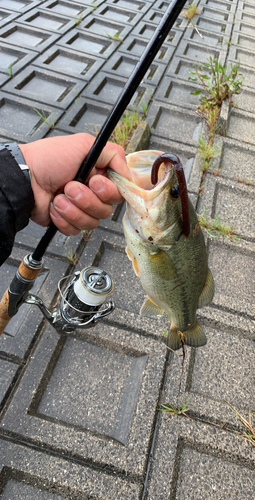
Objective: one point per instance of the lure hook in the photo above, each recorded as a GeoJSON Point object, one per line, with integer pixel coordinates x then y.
{"type": "Point", "coordinates": [174, 160]}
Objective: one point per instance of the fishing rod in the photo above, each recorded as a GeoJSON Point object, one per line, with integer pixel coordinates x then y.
{"type": "Point", "coordinates": [87, 291]}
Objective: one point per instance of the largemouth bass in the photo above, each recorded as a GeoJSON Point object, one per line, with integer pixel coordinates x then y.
{"type": "Point", "coordinates": [165, 244]}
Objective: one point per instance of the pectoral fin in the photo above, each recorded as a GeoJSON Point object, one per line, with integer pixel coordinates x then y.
{"type": "Point", "coordinates": [206, 295]}
{"type": "Point", "coordinates": [149, 308]}
{"type": "Point", "coordinates": [193, 337]}
{"type": "Point", "coordinates": [134, 262]}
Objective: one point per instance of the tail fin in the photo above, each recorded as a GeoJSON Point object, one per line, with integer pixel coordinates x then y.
{"type": "Point", "coordinates": [193, 337]}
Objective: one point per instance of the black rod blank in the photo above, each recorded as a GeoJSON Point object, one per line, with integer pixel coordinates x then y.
{"type": "Point", "coordinates": [123, 100]}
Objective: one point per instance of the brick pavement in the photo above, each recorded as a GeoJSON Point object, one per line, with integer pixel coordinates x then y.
{"type": "Point", "coordinates": [79, 416]}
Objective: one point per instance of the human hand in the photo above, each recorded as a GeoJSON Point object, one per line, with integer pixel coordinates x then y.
{"type": "Point", "coordinates": [53, 163]}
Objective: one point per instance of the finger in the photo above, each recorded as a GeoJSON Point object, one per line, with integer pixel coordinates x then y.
{"type": "Point", "coordinates": [68, 228]}
{"type": "Point", "coordinates": [87, 201]}
{"type": "Point", "coordinates": [105, 190]}
{"type": "Point", "coordinates": [78, 203]}
{"type": "Point", "coordinates": [113, 156]}
{"type": "Point", "coordinates": [62, 225]}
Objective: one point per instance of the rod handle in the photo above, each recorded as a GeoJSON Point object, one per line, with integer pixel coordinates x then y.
{"type": "Point", "coordinates": [4, 307]}
{"type": "Point", "coordinates": [15, 296]}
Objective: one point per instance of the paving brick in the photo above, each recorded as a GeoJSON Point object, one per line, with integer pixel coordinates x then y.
{"type": "Point", "coordinates": [47, 21]}
{"type": "Point", "coordinates": [135, 47]}
{"type": "Point", "coordinates": [232, 202]}
{"type": "Point", "coordinates": [118, 15]}
{"type": "Point", "coordinates": [6, 16]}
{"type": "Point", "coordinates": [198, 53]}
{"type": "Point", "coordinates": [245, 100]}
{"type": "Point", "coordinates": [237, 54]}
{"type": "Point", "coordinates": [3, 79]}
{"type": "Point", "coordinates": [146, 30]}
{"type": "Point", "coordinates": [42, 476]}
{"type": "Point", "coordinates": [190, 460]}
{"type": "Point", "coordinates": [173, 91]}
{"type": "Point", "coordinates": [69, 62]}
{"type": "Point", "coordinates": [85, 116]}
{"type": "Point", "coordinates": [107, 89]}
{"type": "Point", "coordinates": [208, 38]}
{"type": "Point", "coordinates": [243, 41]}
{"type": "Point", "coordinates": [27, 126]}
{"type": "Point", "coordinates": [87, 436]}
{"type": "Point", "coordinates": [20, 6]}
{"type": "Point", "coordinates": [246, 7]}
{"type": "Point", "coordinates": [180, 68]}
{"type": "Point", "coordinates": [99, 26]}
{"type": "Point", "coordinates": [227, 6]}
{"type": "Point", "coordinates": [19, 334]}
{"type": "Point", "coordinates": [30, 38]}
{"type": "Point", "coordinates": [155, 16]}
{"type": "Point", "coordinates": [65, 8]}
{"type": "Point", "coordinates": [245, 17]}
{"type": "Point", "coordinates": [245, 28]}
{"type": "Point", "coordinates": [88, 44]}
{"type": "Point", "coordinates": [60, 245]}
{"type": "Point", "coordinates": [212, 25]}
{"type": "Point", "coordinates": [14, 59]}
{"type": "Point", "coordinates": [234, 283]}
{"type": "Point", "coordinates": [123, 65]}
{"type": "Point", "coordinates": [46, 87]}
{"type": "Point", "coordinates": [245, 129]}
{"type": "Point", "coordinates": [237, 161]}
{"type": "Point", "coordinates": [170, 122]}
{"type": "Point", "coordinates": [216, 14]}
{"type": "Point", "coordinates": [136, 5]}
{"type": "Point", "coordinates": [8, 371]}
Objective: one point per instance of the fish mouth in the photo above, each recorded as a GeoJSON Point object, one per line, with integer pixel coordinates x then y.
{"type": "Point", "coordinates": [140, 166]}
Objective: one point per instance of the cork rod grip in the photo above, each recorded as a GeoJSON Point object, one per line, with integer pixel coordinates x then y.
{"type": "Point", "coordinates": [20, 289]}
{"type": "Point", "coordinates": [4, 316]}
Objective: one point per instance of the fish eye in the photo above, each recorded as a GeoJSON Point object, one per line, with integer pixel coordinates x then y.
{"type": "Point", "coordinates": [175, 192]}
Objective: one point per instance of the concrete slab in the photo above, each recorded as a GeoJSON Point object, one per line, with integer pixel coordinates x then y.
{"type": "Point", "coordinates": [88, 44]}
{"type": "Point", "coordinates": [30, 38]}
{"type": "Point", "coordinates": [26, 415]}
{"type": "Point", "coordinates": [168, 121]}
{"type": "Point", "coordinates": [47, 21]}
{"type": "Point", "coordinates": [106, 28]}
{"type": "Point", "coordinates": [27, 125]}
{"type": "Point", "coordinates": [34, 474]}
{"type": "Point", "coordinates": [20, 6]}
{"type": "Point", "coordinates": [69, 62]}
{"type": "Point", "coordinates": [46, 87]}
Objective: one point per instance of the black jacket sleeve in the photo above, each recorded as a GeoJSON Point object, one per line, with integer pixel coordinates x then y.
{"type": "Point", "coordinates": [16, 202]}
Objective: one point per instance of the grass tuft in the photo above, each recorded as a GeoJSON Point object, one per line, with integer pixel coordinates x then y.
{"type": "Point", "coordinates": [44, 118]}
{"type": "Point", "coordinates": [191, 12]}
{"type": "Point", "coordinates": [115, 37]}
{"type": "Point", "coordinates": [215, 228]}
{"type": "Point", "coordinates": [72, 256]}
{"type": "Point", "coordinates": [125, 128]}
{"type": "Point", "coordinates": [175, 410]}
